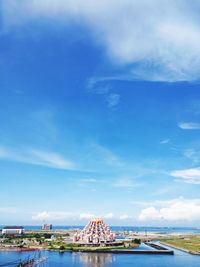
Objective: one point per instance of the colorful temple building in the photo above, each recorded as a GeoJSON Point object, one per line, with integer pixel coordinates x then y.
{"type": "Point", "coordinates": [95, 232]}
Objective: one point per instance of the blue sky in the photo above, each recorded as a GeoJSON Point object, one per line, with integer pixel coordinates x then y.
{"type": "Point", "coordinates": [99, 115]}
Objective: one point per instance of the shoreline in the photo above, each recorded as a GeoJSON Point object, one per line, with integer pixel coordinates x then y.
{"type": "Point", "coordinates": [111, 251]}
{"type": "Point", "coordinates": [68, 245]}
{"type": "Point", "coordinates": [179, 248]}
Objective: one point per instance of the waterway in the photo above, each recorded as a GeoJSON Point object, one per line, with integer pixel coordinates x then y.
{"type": "Point", "coordinates": [68, 259]}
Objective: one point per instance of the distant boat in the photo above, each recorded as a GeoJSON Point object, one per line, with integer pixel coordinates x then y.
{"type": "Point", "coordinates": [26, 249]}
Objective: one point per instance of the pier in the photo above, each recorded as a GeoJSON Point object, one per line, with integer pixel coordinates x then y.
{"type": "Point", "coordinates": [157, 249]}
{"type": "Point", "coordinates": [128, 251]}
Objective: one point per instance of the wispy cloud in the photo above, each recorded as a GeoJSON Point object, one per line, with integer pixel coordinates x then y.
{"type": "Point", "coordinates": [89, 181]}
{"type": "Point", "coordinates": [9, 210]}
{"type": "Point", "coordinates": [125, 217]}
{"type": "Point", "coordinates": [157, 203]}
{"type": "Point", "coordinates": [191, 176]}
{"type": "Point", "coordinates": [100, 156]}
{"type": "Point", "coordinates": [163, 190]}
{"type": "Point", "coordinates": [168, 51]}
{"type": "Point", "coordinates": [126, 183]}
{"type": "Point", "coordinates": [189, 125]}
{"type": "Point", "coordinates": [193, 154]}
{"type": "Point", "coordinates": [51, 159]}
{"type": "Point", "coordinates": [44, 121]}
{"type": "Point", "coordinates": [112, 100]}
{"type": "Point", "coordinates": [94, 85]}
{"type": "Point", "coordinates": [37, 157]}
{"type": "Point", "coordinates": [165, 141]}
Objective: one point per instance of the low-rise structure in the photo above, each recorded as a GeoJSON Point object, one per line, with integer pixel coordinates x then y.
{"type": "Point", "coordinates": [13, 230]}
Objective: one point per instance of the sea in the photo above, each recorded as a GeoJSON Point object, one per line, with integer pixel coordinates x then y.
{"type": "Point", "coordinates": [78, 259]}
{"type": "Point", "coordinates": [194, 230]}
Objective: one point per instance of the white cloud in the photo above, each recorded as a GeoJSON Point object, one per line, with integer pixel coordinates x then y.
{"type": "Point", "coordinates": [42, 216]}
{"type": "Point", "coordinates": [124, 217]}
{"type": "Point", "coordinates": [150, 213]}
{"type": "Point", "coordinates": [108, 215]}
{"type": "Point", "coordinates": [37, 157]}
{"type": "Point", "coordinates": [62, 215]}
{"type": "Point", "coordinates": [189, 125]}
{"type": "Point", "coordinates": [176, 210]}
{"type": "Point", "coordinates": [86, 216]}
{"type": "Point", "coordinates": [112, 100]}
{"type": "Point", "coordinates": [154, 40]}
{"type": "Point", "coordinates": [52, 216]}
{"type": "Point", "coordinates": [191, 176]}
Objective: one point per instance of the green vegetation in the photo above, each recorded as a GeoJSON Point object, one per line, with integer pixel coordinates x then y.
{"type": "Point", "coordinates": [57, 241]}
{"type": "Point", "coordinates": [97, 248]}
{"type": "Point", "coordinates": [189, 243]}
{"type": "Point", "coordinates": [62, 247]}
{"type": "Point", "coordinates": [137, 241]}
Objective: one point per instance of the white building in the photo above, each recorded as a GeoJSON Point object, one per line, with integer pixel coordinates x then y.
{"type": "Point", "coordinates": [13, 230]}
{"type": "Point", "coordinates": [47, 227]}
{"type": "Point", "coordinates": [95, 232]}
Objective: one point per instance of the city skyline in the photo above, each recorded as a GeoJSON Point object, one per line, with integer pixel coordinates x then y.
{"type": "Point", "coordinates": [97, 119]}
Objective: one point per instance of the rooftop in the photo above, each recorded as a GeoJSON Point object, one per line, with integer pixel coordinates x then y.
{"type": "Point", "coordinates": [13, 227]}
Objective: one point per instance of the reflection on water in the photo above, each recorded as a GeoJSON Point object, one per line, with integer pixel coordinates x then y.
{"type": "Point", "coordinates": [68, 259]}
{"type": "Point", "coordinates": [95, 259]}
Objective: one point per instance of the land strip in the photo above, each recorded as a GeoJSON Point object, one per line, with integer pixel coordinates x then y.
{"type": "Point", "coordinates": [189, 243]}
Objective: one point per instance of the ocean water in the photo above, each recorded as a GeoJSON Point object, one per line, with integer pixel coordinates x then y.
{"type": "Point", "coordinates": [127, 228]}
{"type": "Point", "coordinates": [157, 229]}
{"type": "Point", "coordinates": [68, 259]}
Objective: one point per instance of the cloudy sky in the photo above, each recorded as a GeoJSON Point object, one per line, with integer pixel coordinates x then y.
{"type": "Point", "coordinates": [100, 112]}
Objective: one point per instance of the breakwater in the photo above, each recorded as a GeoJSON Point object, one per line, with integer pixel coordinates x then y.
{"type": "Point", "coordinates": [157, 249]}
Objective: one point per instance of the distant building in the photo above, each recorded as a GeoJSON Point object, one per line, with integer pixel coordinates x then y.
{"type": "Point", "coordinates": [47, 227]}
{"type": "Point", "coordinates": [13, 230]}
{"type": "Point", "coordinates": [95, 232]}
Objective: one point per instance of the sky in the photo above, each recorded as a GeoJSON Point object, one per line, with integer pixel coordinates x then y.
{"type": "Point", "coordinates": [100, 112]}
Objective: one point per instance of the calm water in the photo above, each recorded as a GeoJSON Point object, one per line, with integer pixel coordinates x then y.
{"type": "Point", "coordinates": [67, 259]}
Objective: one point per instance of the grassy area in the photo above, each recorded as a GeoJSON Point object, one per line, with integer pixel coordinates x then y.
{"type": "Point", "coordinates": [190, 243]}
{"type": "Point", "coordinates": [97, 248]}
{"type": "Point", "coordinates": [122, 246]}
{"type": "Point", "coordinates": [58, 242]}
